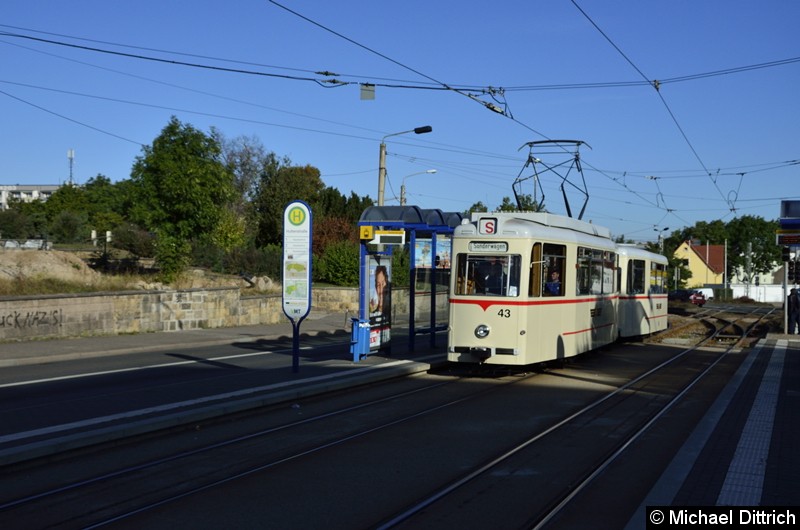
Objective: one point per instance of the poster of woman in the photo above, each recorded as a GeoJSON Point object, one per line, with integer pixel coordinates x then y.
{"type": "Point", "coordinates": [380, 302]}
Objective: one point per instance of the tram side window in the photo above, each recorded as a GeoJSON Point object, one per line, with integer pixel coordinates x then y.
{"type": "Point", "coordinates": [481, 274]}
{"type": "Point", "coordinates": [609, 269]}
{"type": "Point", "coordinates": [635, 276]}
{"type": "Point", "coordinates": [658, 276]}
{"type": "Point", "coordinates": [595, 271]}
{"type": "Point", "coordinates": [553, 260]}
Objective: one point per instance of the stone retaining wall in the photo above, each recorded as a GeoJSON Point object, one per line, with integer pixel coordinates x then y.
{"type": "Point", "coordinates": [35, 317]}
{"type": "Point", "coordinates": [52, 316]}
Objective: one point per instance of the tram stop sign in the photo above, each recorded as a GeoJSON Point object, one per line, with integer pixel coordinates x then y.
{"type": "Point", "coordinates": [296, 260]}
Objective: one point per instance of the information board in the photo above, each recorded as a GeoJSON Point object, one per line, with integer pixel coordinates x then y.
{"type": "Point", "coordinates": [296, 260]}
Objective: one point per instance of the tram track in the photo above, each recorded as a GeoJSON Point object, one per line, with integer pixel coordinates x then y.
{"type": "Point", "coordinates": [604, 408]}
{"type": "Point", "coordinates": [429, 414]}
{"type": "Point", "coordinates": [75, 504]}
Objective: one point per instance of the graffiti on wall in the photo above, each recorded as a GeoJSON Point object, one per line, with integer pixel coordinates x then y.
{"type": "Point", "coordinates": [31, 319]}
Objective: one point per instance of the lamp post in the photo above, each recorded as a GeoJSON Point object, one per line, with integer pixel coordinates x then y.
{"type": "Point", "coordinates": [660, 238]}
{"type": "Point", "coordinates": [382, 159]}
{"type": "Point", "coordinates": [403, 185]}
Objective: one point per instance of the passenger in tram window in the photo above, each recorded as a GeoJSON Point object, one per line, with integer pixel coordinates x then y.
{"type": "Point", "coordinates": [794, 311]}
{"type": "Point", "coordinates": [494, 279]}
{"type": "Point", "coordinates": [553, 287]}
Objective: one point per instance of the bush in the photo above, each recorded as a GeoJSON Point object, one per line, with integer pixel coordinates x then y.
{"type": "Point", "coordinates": [172, 257]}
{"type": "Point", "coordinates": [138, 242]}
{"type": "Point", "coordinates": [339, 264]}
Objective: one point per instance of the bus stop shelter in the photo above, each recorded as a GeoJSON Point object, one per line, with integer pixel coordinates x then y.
{"type": "Point", "coordinates": [381, 230]}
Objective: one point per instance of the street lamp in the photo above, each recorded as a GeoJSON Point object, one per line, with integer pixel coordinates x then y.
{"type": "Point", "coordinates": [382, 159]}
{"type": "Point", "coordinates": [403, 185]}
{"type": "Point", "coordinates": [660, 238]}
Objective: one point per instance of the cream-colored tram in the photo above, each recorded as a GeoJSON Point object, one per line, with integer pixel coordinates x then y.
{"type": "Point", "coordinates": [530, 287]}
{"type": "Point", "coordinates": [642, 307]}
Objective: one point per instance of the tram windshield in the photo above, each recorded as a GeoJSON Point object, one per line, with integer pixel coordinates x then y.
{"type": "Point", "coordinates": [481, 274]}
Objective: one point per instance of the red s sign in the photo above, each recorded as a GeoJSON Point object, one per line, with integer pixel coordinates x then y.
{"type": "Point", "coordinates": [488, 225]}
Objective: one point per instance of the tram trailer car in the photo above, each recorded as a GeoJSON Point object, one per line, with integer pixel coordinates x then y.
{"type": "Point", "coordinates": [529, 287]}
{"type": "Point", "coordinates": [642, 307]}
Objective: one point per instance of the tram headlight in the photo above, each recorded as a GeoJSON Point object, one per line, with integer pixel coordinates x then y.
{"type": "Point", "coordinates": [482, 331]}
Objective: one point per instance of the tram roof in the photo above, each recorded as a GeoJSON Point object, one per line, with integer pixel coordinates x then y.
{"type": "Point", "coordinates": [410, 217]}
{"type": "Point", "coordinates": [544, 219]}
{"type": "Point", "coordinates": [636, 251]}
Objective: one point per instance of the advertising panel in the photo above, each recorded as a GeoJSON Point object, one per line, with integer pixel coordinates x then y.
{"type": "Point", "coordinates": [424, 257]}
{"type": "Point", "coordinates": [380, 301]}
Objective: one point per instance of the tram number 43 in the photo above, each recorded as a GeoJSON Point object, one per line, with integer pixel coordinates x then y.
{"type": "Point", "coordinates": [504, 313]}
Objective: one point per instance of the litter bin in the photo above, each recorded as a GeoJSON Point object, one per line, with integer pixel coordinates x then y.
{"type": "Point", "coordinates": [359, 339]}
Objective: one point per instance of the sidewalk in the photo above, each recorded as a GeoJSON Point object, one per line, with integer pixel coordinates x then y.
{"type": "Point", "coordinates": [54, 350]}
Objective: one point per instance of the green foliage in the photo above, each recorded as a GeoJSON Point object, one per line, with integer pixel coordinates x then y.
{"type": "Point", "coordinates": [247, 261]}
{"type": "Point", "coordinates": [172, 256]}
{"type": "Point", "coordinates": [276, 189]}
{"type": "Point", "coordinates": [67, 198]}
{"type": "Point", "coordinates": [339, 264]}
{"type": "Point", "coordinates": [138, 242]}
{"type": "Point", "coordinates": [14, 224]}
{"type": "Point", "coordinates": [69, 227]}
{"type": "Point", "coordinates": [477, 207]}
{"type": "Point", "coordinates": [180, 183]}
{"type": "Point", "coordinates": [753, 237]}
{"type": "Point", "coordinates": [229, 233]}
{"type": "Point", "coordinates": [181, 189]}
{"type": "Point", "coordinates": [507, 205]}
{"type": "Point", "coordinates": [332, 204]}
{"type": "Point", "coordinates": [401, 262]}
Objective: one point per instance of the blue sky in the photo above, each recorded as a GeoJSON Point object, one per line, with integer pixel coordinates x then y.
{"type": "Point", "coordinates": [698, 149]}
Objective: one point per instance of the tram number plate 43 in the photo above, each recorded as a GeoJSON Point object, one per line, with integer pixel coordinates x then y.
{"type": "Point", "coordinates": [504, 313]}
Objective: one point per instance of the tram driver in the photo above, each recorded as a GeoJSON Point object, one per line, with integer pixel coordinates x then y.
{"type": "Point", "coordinates": [491, 277]}
{"type": "Point", "coordinates": [553, 286]}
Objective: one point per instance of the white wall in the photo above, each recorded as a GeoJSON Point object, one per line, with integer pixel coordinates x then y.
{"type": "Point", "coordinates": [761, 293]}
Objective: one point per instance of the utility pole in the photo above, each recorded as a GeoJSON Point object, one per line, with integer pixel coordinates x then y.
{"type": "Point", "coordinates": [382, 159]}
{"type": "Point", "coordinates": [70, 157]}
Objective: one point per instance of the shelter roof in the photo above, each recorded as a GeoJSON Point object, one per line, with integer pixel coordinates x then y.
{"type": "Point", "coordinates": [410, 217]}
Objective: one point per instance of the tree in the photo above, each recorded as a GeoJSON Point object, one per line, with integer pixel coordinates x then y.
{"type": "Point", "coordinates": [180, 188]}
{"type": "Point", "coordinates": [751, 239]}
{"type": "Point", "coordinates": [105, 203]}
{"type": "Point", "coordinates": [277, 187]}
{"type": "Point", "coordinates": [477, 207]}
{"type": "Point", "coordinates": [69, 227]}
{"type": "Point", "coordinates": [36, 214]}
{"type": "Point", "coordinates": [14, 224]}
{"type": "Point", "coordinates": [67, 198]}
{"type": "Point", "coordinates": [507, 205]}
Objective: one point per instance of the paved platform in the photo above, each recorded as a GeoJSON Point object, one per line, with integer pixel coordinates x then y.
{"type": "Point", "coordinates": [744, 452]}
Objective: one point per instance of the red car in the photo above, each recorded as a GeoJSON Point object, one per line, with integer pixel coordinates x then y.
{"type": "Point", "coordinates": [697, 298]}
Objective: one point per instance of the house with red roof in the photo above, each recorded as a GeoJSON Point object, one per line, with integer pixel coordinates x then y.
{"type": "Point", "coordinates": [706, 262]}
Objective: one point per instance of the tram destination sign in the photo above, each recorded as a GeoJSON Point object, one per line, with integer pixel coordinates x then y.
{"type": "Point", "coordinates": [488, 246]}
{"type": "Point", "coordinates": [792, 239]}
{"type": "Point", "coordinates": [788, 238]}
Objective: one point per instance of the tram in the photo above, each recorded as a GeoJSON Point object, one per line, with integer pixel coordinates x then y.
{"type": "Point", "coordinates": [529, 287]}
{"type": "Point", "coordinates": [642, 307]}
